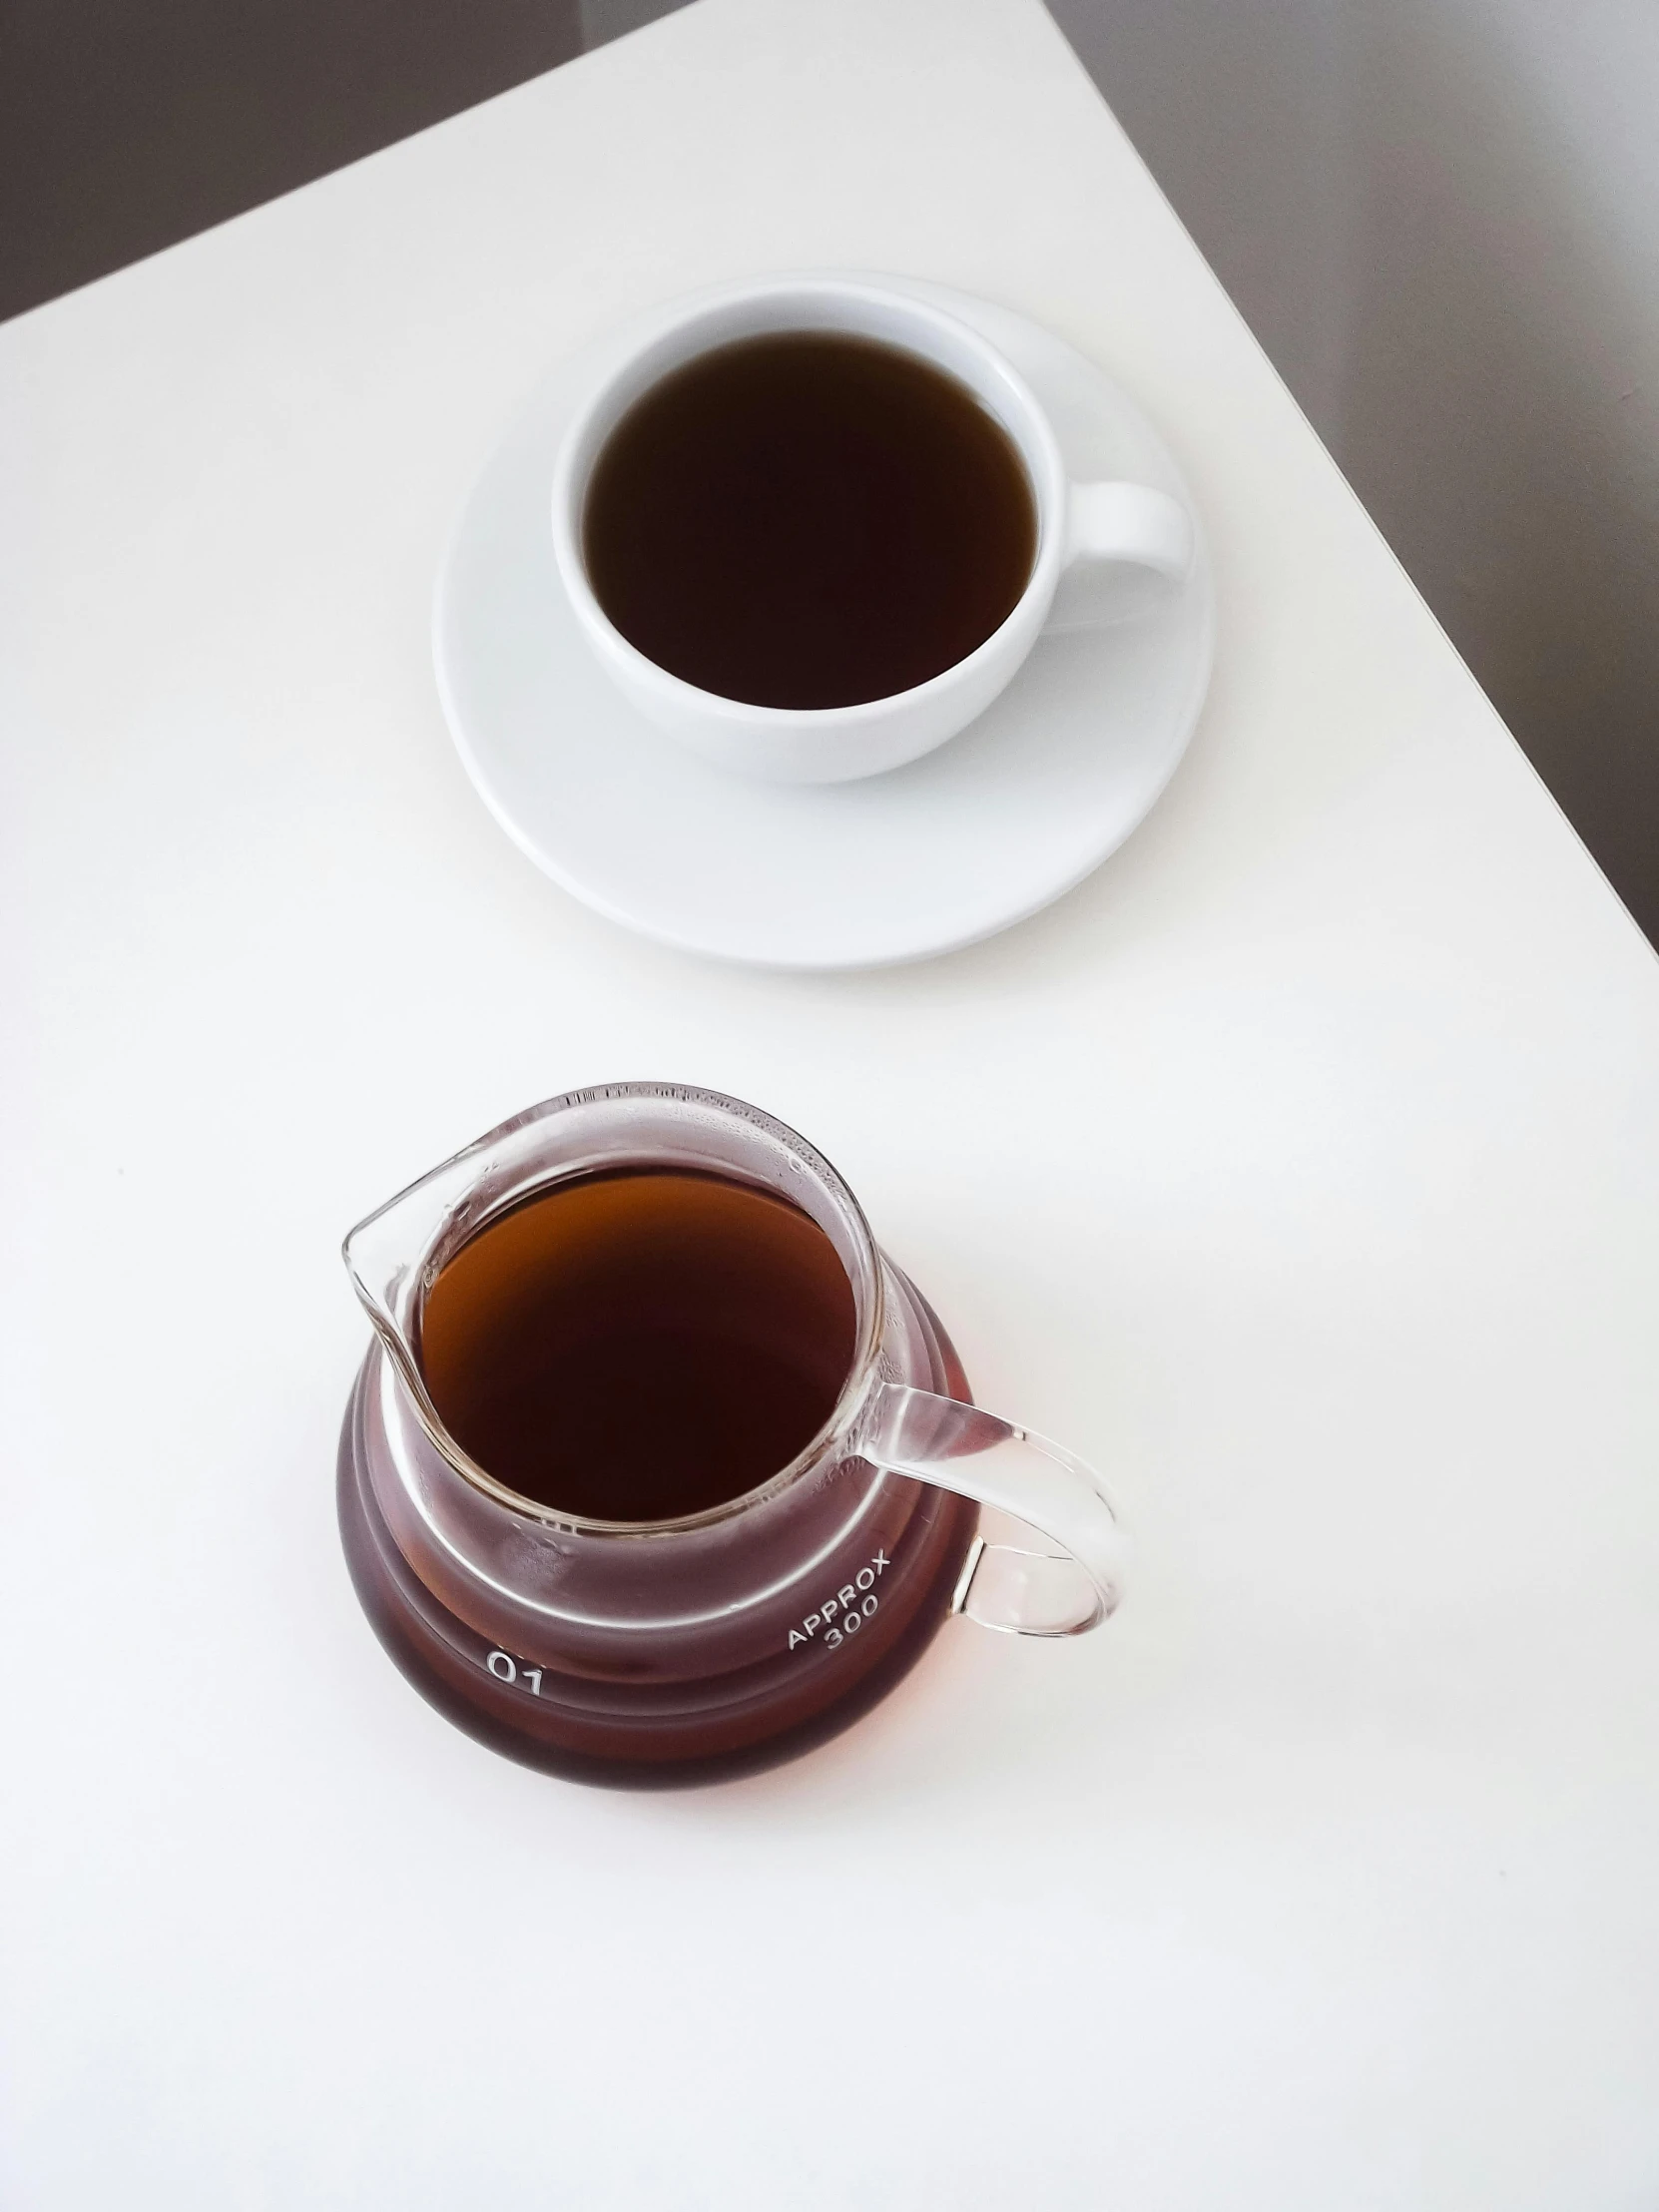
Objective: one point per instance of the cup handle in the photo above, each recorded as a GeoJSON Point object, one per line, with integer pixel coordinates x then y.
{"type": "Point", "coordinates": [1126, 546]}
{"type": "Point", "coordinates": [962, 1448]}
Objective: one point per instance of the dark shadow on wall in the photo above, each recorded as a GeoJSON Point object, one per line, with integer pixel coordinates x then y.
{"type": "Point", "coordinates": [1387, 199]}
{"type": "Point", "coordinates": [127, 125]}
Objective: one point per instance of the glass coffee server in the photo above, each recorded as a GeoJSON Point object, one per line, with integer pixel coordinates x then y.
{"type": "Point", "coordinates": [685, 1649]}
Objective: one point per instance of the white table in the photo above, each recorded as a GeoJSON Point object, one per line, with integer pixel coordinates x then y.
{"type": "Point", "coordinates": [1303, 1168]}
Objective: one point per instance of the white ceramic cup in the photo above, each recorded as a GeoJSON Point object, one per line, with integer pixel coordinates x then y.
{"type": "Point", "coordinates": [1104, 551]}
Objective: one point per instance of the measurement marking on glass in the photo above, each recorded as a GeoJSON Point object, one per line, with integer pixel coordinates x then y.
{"type": "Point", "coordinates": [514, 1670]}
{"type": "Point", "coordinates": [845, 1613]}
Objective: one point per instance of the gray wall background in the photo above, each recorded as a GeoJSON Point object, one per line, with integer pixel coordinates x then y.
{"type": "Point", "coordinates": [1441, 219]}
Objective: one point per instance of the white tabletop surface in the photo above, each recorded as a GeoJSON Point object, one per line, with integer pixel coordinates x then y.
{"type": "Point", "coordinates": [1302, 1169]}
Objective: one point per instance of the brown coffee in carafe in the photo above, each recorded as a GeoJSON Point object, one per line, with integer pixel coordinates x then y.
{"type": "Point", "coordinates": [658, 1468]}
{"type": "Point", "coordinates": [633, 1354]}
{"type": "Point", "coordinates": [639, 1346]}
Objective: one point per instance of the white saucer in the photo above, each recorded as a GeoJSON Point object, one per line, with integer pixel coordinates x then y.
{"type": "Point", "coordinates": [987, 829]}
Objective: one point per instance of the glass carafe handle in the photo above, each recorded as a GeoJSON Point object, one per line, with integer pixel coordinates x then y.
{"type": "Point", "coordinates": [962, 1448]}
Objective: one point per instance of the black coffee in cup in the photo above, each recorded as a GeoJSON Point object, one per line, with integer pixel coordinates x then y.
{"type": "Point", "coordinates": [808, 519]}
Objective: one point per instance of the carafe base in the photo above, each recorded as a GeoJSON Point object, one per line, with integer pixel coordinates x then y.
{"type": "Point", "coordinates": [481, 1692]}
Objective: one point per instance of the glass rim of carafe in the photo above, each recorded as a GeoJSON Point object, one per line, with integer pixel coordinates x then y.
{"type": "Point", "coordinates": [869, 1295]}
